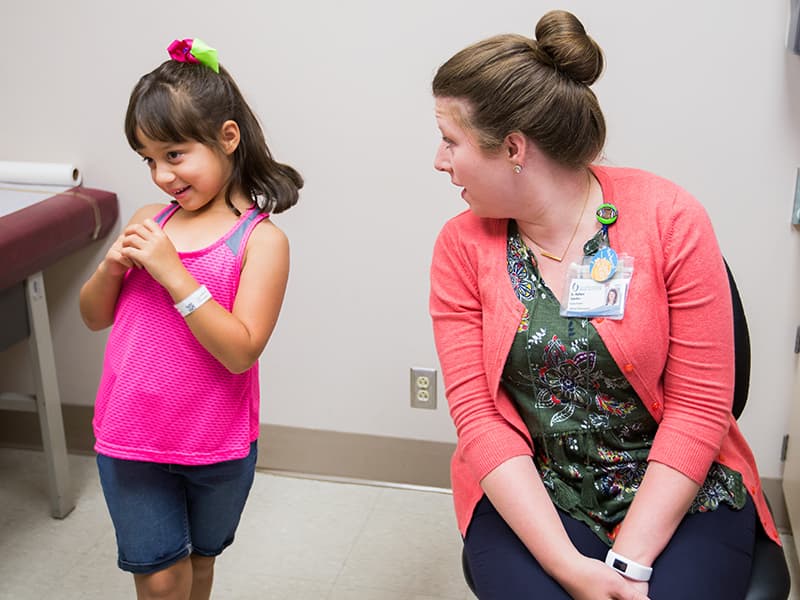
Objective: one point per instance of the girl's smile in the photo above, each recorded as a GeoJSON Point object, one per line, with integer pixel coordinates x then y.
{"type": "Point", "coordinates": [180, 192]}
{"type": "Point", "coordinates": [192, 173]}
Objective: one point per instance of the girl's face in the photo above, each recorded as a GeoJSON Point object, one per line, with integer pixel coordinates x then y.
{"type": "Point", "coordinates": [486, 179]}
{"type": "Point", "coordinates": [195, 174]}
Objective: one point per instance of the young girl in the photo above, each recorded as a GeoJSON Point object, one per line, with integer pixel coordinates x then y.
{"type": "Point", "coordinates": [193, 290]}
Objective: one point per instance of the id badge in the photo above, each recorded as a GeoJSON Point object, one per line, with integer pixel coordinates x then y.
{"type": "Point", "coordinates": [587, 297]}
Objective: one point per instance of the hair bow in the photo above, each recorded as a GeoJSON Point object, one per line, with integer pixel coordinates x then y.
{"type": "Point", "coordinates": [194, 51]}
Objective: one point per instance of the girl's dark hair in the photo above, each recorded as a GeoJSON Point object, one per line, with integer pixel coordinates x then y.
{"type": "Point", "coordinates": [181, 101]}
{"type": "Point", "coordinates": [539, 87]}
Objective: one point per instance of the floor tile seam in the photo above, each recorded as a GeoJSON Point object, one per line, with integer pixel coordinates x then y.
{"type": "Point", "coordinates": [356, 538]}
{"type": "Point", "coordinates": [409, 589]}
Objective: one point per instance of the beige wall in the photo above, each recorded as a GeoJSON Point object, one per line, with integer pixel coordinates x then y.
{"type": "Point", "coordinates": [701, 92]}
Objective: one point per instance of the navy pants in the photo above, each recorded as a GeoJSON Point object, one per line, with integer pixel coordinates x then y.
{"type": "Point", "coordinates": [709, 557]}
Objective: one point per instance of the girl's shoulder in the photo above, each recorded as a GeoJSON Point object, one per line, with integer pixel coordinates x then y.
{"type": "Point", "coordinates": [266, 252]}
{"type": "Point", "coordinates": [267, 237]}
{"type": "Point", "coordinates": [147, 211]}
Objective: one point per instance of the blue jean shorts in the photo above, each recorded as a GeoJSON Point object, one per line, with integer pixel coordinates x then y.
{"type": "Point", "coordinates": [162, 513]}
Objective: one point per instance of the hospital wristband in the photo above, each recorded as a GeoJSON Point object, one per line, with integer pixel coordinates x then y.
{"type": "Point", "coordinates": [627, 567]}
{"type": "Point", "coordinates": [193, 301]}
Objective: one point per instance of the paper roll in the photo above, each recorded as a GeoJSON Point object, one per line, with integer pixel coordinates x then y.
{"type": "Point", "coordinates": [36, 173]}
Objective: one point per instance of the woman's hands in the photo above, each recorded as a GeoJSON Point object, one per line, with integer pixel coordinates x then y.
{"type": "Point", "coordinates": [592, 579]}
{"type": "Point", "coordinates": [641, 586]}
{"type": "Point", "coordinates": [513, 489]}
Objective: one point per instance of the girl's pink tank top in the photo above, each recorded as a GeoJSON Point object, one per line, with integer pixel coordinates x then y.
{"type": "Point", "coordinates": [162, 397]}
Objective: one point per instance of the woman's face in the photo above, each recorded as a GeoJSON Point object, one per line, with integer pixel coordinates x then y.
{"type": "Point", "coordinates": [486, 178]}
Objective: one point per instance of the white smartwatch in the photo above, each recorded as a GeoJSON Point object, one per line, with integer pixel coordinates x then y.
{"type": "Point", "coordinates": [627, 567]}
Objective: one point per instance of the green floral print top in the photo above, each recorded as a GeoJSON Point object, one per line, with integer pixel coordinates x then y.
{"type": "Point", "coordinates": [590, 430]}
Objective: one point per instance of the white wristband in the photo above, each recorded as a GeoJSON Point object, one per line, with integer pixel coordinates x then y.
{"type": "Point", "coordinates": [193, 301]}
{"type": "Point", "coordinates": [627, 567]}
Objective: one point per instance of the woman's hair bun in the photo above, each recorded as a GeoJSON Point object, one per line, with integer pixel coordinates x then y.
{"type": "Point", "coordinates": [561, 36]}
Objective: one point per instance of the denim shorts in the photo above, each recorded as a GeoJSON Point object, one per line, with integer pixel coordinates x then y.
{"type": "Point", "coordinates": [163, 512]}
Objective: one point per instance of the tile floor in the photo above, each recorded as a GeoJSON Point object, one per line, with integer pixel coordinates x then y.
{"type": "Point", "coordinates": [300, 539]}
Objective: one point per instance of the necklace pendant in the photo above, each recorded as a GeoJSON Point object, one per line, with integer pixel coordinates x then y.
{"type": "Point", "coordinates": [546, 254]}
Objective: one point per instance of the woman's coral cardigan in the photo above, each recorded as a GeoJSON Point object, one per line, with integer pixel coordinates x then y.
{"type": "Point", "coordinates": [674, 344]}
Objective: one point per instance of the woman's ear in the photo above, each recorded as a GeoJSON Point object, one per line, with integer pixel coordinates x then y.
{"type": "Point", "coordinates": [515, 146]}
{"type": "Point", "coordinates": [230, 136]}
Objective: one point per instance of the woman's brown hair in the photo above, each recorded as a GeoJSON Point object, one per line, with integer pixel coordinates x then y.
{"type": "Point", "coordinates": [539, 87]}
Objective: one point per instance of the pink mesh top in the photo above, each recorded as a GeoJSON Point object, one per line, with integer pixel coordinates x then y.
{"type": "Point", "coordinates": [162, 397]}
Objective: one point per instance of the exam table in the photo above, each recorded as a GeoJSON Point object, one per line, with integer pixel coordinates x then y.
{"type": "Point", "coordinates": [39, 225]}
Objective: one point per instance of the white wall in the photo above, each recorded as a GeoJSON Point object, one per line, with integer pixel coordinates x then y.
{"type": "Point", "coordinates": [701, 92]}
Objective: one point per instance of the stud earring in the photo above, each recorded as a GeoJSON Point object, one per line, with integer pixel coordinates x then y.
{"type": "Point", "coordinates": [517, 169]}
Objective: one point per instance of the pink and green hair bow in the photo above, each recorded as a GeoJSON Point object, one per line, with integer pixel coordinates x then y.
{"type": "Point", "coordinates": [194, 51]}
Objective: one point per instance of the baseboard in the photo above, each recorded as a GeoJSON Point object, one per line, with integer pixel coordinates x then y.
{"type": "Point", "coordinates": [21, 429]}
{"type": "Point", "coordinates": [355, 456]}
{"type": "Point", "coordinates": [330, 454]}
{"type": "Point", "coordinates": [289, 449]}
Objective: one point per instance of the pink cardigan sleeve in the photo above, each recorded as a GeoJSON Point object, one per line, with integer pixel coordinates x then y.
{"type": "Point", "coordinates": [698, 375]}
{"type": "Point", "coordinates": [486, 438]}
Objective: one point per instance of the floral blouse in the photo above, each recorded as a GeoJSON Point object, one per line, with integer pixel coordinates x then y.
{"type": "Point", "coordinates": [591, 432]}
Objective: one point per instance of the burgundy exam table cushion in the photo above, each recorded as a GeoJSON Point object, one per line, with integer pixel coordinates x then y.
{"type": "Point", "coordinates": [40, 234]}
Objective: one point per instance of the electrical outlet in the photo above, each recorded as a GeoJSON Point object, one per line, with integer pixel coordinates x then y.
{"type": "Point", "coordinates": [423, 388]}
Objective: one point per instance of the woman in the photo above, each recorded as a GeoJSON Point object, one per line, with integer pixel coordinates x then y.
{"type": "Point", "coordinates": [596, 457]}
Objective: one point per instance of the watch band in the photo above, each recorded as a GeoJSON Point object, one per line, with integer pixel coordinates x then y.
{"type": "Point", "coordinates": [627, 567]}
